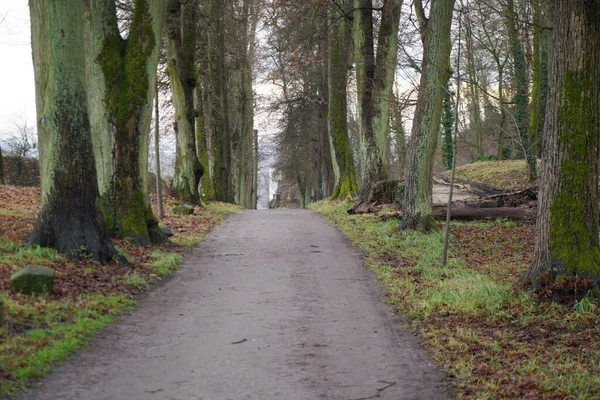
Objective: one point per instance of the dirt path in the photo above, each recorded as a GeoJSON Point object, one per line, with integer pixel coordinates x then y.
{"type": "Point", "coordinates": [273, 305]}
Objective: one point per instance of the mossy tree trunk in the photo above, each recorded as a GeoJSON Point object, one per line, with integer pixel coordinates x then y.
{"type": "Point", "coordinates": [245, 141]}
{"type": "Point", "coordinates": [521, 82]}
{"type": "Point", "coordinates": [364, 58]}
{"type": "Point", "coordinates": [206, 184]}
{"type": "Point", "coordinates": [181, 49]}
{"type": "Point", "coordinates": [374, 80]}
{"type": "Point", "coordinates": [435, 35]}
{"type": "Point", "coordinates": [218, 134]}
{"type": "Point", "coordinates": [122, 73]}
{"type": "Point", "coordinates": [339, 47]}
{"type": "Point", "coordinates": [385, 68]}
{"type": "Point", "coordinates": [70, 219]}
{"type": "Point", "coordinates": [542, 42]}
{"type": "Point", "coordinates": [566, 240]}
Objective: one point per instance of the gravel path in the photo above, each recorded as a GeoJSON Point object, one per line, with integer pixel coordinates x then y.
{"type": "Point", "coordinates": [273, 305]}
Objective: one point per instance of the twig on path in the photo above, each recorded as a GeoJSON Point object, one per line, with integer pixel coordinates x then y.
{"type": "Point", "coordinates": [241, 341]}
{"type": "Point", "coordinates": [378, 394]}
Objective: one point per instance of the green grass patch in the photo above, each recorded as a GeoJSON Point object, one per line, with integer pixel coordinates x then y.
{"type": "Point", "coordinates": [16, 255]}
{"type": "Point", "coordinates": [188, 240]}
{"type": "Point", "coordinates": [136, 281]}
{"type": "Point", "coordinates": [165, 262]}
{"type": "Point", "coordinates": [40, 332]}
{"type": "Point", "coordinates": [497, 341]}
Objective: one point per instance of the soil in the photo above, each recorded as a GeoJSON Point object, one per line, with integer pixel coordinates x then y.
{"type": "Point", "coordinates": [273, 305]}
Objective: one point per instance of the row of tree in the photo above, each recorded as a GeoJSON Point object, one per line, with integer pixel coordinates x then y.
{"type": "Point", "coordinates": [530, 72]}
{"type": "Point", "coordinates": [334, 64]}
{"type": "Point", "coordinates": [95, 65]}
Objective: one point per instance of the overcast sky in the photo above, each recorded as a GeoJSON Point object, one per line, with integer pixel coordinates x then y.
{"type": "Point", "coordinates": [17, 90]}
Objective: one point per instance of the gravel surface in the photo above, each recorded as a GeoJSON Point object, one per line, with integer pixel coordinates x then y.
{"type": "Point", "coordinates": [273, 305]}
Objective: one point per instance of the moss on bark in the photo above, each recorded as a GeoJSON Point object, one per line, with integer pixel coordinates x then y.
{"type": "Point", "coordinates": [70, 218]}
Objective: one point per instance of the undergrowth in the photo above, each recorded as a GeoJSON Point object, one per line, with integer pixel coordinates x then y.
{"type": "Point", "coordinates": [497, 341]}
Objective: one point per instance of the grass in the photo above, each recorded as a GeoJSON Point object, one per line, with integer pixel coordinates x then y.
{"type": "Point", "coordinates": [57, 329]}
{"type": "Point", "coordinates": [511, 174]}
{"type": "Point", "coordinates": [497, 341]}
{"type": "Point", "coordinates": [41, 331]}
{"type": "Point", "coordinates": [165, 262]}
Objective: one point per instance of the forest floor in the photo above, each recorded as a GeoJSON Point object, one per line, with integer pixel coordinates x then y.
{"type": "Point", "coordinates": [41, 331]}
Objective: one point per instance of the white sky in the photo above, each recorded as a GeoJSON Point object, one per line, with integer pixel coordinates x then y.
{"type": "Point", "coordinates": [17, 89]}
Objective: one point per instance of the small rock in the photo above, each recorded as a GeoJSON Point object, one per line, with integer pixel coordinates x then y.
{"type": "Point", "coordinates": [33, 280]}
{"type": "Point", "coordinates": [165, 230]}
{"type": "Point", "coordinates": [183, 210]}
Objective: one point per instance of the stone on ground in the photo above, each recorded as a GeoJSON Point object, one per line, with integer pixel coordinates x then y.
{"type": "Point", "coordinates": [33, 280]}
{"type": "Point", "coordinates": [165, 230]}
{"type": "Point", "coordinates": [183, 210]}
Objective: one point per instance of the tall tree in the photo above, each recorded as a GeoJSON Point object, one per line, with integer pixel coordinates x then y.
{"type": "Point", "coordinates": [181, 66]}
{"type": "Point", "coordinates": [69, 218]}
{"type": "Point", "coordinates": [566, 240]}
{"type": "Point", "coordinates": [374, 80]}
{"type": "Point", "coordinates": [435, 36]}
{"type": "Point", "coordinates": [243, 139]}
{"type": "Point", "coordinates": [337, 116]}
{"type": "Point", "coordinates": [542, 42]}
{"type": "Point", "coordinates": [521, 82]}
{"type": "Point", "coordinates": [217, 104]}
{"type": "Point", "coordinates": [121, 75]}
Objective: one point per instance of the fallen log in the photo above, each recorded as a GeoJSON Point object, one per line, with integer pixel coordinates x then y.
{"type": "Point", "coordinates": [478, 214]}
{"type": "Point", "coordinates": [473, 214]}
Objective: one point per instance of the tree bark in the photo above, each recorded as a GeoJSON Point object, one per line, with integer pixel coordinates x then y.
{"type": "Point", "coordinates": [159, 185]}
{"type": "Point", "coordinates": [181, 49]}
{"type": "Point", "coordinates": [70, 219]}
{"type": "Point", "coordinates": [374, 80]}
{"type": "Point", "coordinates": [337, 115]}
{"type": "Point", "coordinates": [566, 240]}
{"type": "Point", "coordinates": [219, 135]}
{"type": "Point", "coordinates": [385, 69]}
{"type": "Point", "coordinates": [435, 34]}
{"type": "Point", "coordinates": [521, 96]}
{"type": "Point", "coordinates": [121, 76]}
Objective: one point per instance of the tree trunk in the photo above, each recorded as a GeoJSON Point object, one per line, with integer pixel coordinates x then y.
{"type": "Point", "coordinates": [219, 135]}
{"type": "Point", "coordinates": [364, 57]}
{"type": "Point", "coordinates": [181, 49]}
{"type": "Point", "coordinates": [70, 219]}
{"type": "Point", "coordinates": [374, 80]}
{"type": "Point", "coordinates": [159, 185]}
{"type": "Point", "coordinates": [385, 68]}
{"type": "Point", "coordinates": [245, 149]}
{"type": "Point", "coordinates": [566, 240]}
{"type": "Point", "coordinates": [521, 97]}
{"type": "Point", "coordinates": [539, 90]}
{"type": "Point", "coordinates": [206, 185]}
{"type": "Point", "coordinates": [435, 34]}
{"type": "Point", "coordinates": [337, 114]}
{"type": "Point", "coordinates": [121, 75]}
